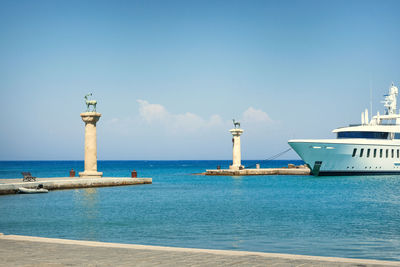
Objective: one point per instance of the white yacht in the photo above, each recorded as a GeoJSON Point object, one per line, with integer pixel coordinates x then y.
{"type": "Point", "coordinates": [369, 148]}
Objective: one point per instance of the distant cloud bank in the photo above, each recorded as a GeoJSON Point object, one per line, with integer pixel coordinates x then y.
{"type": "Point", "coordinates": [156, 114]}
{"type": "Point", "coordinates": [255, 115]}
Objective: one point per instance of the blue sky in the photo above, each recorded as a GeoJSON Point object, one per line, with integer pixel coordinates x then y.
{"type": "Point", "coordinates": [170, 75]}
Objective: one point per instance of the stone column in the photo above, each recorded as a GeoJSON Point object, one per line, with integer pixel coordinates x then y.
{"type": "Point", "coordinates": [237, 158]}
{"type": "Point", "coordinates": [90, 119]}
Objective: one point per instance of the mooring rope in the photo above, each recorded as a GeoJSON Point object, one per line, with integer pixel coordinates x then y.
{"type": "Point", "coordinates": [272, 157]}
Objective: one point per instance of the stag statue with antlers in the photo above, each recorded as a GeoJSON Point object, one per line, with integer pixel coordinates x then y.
{"type": "Point", "coordinates": [89, 103]}
{"type": "Point", "coordinates": [236, 124]}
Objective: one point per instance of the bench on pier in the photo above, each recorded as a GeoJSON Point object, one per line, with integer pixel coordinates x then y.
{"type": "Point", "coordinates": [28, 177]}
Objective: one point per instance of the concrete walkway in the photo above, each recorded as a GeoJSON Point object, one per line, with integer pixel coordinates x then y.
{"type": "Point", "coordinates": [37, 251]}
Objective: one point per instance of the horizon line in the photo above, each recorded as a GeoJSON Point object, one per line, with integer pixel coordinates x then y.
{"type": "Point", "coordinates": [143, 160]}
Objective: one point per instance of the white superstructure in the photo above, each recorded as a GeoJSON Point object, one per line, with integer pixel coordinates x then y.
{"type": "Point", "coordinates": [372, 147]}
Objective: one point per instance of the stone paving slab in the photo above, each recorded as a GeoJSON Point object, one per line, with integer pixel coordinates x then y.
{"type": "Point", "coordinates": [37, 251]}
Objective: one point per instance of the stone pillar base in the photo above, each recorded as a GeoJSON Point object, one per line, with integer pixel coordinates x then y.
{"type": "Point", "coordinates": [90, 174]}
{"type": "Point", "coordinates": [236, 167]}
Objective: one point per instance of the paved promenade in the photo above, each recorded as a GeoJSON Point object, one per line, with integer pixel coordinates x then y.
{"type": "Point", "coordinates": [37, 251]}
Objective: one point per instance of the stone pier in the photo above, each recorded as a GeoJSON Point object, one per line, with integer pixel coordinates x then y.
{"type": "Point", "coordinates": [11, 186]}
{"type": "Point", "coordinates": [90, 119]}
{"type": "Point", "coordinates": [297, 170]}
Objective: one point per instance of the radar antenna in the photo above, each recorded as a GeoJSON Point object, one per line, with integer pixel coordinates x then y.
{"type": "Point", "coordinates": [390, 101]}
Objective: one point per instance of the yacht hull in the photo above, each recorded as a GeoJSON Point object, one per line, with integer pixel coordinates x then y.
{"type": "Point", "coordinates": [349, 157]}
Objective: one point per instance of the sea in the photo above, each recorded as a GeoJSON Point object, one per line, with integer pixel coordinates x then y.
{"type": "Point", "coordinates": [355, 217]}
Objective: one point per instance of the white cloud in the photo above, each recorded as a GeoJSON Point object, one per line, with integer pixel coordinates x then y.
{"type": "Point", "coordinates": [158, 115]}
{"type": "Point", "coordinates": [152, 112]}
{"type": "Point", "coordinates": [114, 120]}
{"type": "Point", "coordinates": [215, 120]}
{"type": "Point", "coordinates": [255, 115]}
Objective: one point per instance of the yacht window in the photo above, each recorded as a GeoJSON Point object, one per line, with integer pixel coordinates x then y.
{"type": "Point", "coordinates": [361, 152]}
{"type": "Point", "coordinates": [375, 153]}
{"type": "Point", "coordinates": [354, 152]}
{"type": "Point", "coordinates": [368, 152]}
{"type": "Point", "coordinates": [397, 136]}
{"type": "Point", "coordinates": [381, 152]}
{"type": "Point", "coordinates": [369, 135]}
{"type": "Point", "coordinates": [397, 153]}
{"type": "Point", "coordinates": [392, 153]}
{"type": "Point", "coordinates": [387, 153]}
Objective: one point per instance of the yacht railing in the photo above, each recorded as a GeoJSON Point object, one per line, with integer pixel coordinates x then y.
{"type": "Point", "coordinates": [355, 125]}
{"type": "Point", "coordinates": [383, 124]}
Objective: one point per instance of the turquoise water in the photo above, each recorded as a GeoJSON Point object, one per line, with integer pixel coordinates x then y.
{"type": "Point", "coordinates": [356, 217]}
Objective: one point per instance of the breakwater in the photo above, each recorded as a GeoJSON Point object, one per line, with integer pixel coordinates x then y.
{"type": "Point", "coordinates": [290, 170]}
{"type": "Point", "coordinates": [10, 186]}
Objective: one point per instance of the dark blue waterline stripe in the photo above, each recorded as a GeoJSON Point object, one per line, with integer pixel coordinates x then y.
{"type": "Point", "coordinates": [353, 173]}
